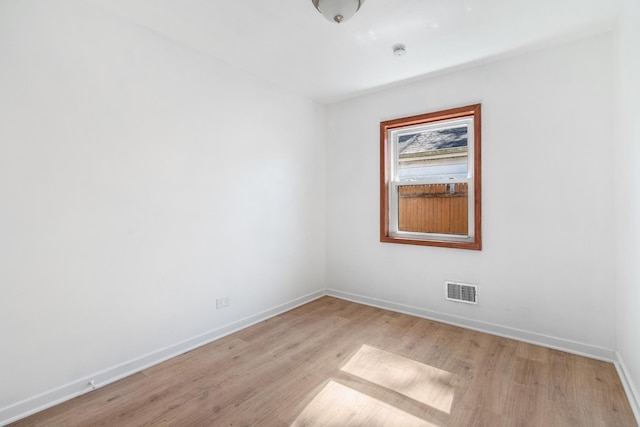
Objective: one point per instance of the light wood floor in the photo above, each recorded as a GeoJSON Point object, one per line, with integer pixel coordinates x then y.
{"type": "Point", "coordinates": [336, 363]}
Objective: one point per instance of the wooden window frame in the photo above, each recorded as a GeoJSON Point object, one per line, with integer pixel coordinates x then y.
{"type": "Point", "coordinates": [474, 243]}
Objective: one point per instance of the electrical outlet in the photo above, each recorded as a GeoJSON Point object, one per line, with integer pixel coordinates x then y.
{"type": "Point", "coordinates": [222, 302]}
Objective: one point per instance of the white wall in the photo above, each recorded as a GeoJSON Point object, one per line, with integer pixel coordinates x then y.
{"type": "Point", "coordinates": [140, 181]}
{"type": "Point", "coordinates": [547, 264]}
{"type": "Point", "coordinates": [628, 195]}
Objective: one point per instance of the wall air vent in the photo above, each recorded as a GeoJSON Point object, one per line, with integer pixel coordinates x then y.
{"type": "Point", "coordinates": [461, 292]}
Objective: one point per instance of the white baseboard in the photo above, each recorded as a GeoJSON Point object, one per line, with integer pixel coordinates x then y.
{"type": "Point", "coordinates": [80, 386]}
{"type": "Point", "coordinates": [629, 387]}
{"type": "Point", "coordinates": [568, 346]}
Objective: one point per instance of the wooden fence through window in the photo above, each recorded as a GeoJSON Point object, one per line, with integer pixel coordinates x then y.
{"type": "Point", "coordinates": [434, 208]}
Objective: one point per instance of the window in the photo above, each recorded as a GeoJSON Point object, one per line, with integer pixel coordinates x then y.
{"type": "Point", "coordinates": [430, 179]}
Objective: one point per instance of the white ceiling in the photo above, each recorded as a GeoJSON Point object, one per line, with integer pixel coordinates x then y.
{"type": "Point", "coordinates": [287, 42]}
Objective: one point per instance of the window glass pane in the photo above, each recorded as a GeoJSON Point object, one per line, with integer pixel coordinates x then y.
{"type": "Point", "coordinates": [433, 154]}
{"type": "Point", "coordinates": [434, 208]}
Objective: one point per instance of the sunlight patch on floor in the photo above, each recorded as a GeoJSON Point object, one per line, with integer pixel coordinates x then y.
{"type": "Point", "coordinates": [339, 405]}
{"type": "Point", "coordinates": [424, 383]}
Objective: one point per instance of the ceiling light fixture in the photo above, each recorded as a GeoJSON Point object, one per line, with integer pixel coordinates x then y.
{"type": "Point", "coordinates": [337, 10]}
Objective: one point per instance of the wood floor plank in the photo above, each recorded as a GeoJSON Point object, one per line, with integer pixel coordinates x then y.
{"type": "Point", "coordinates": [334, 362]}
